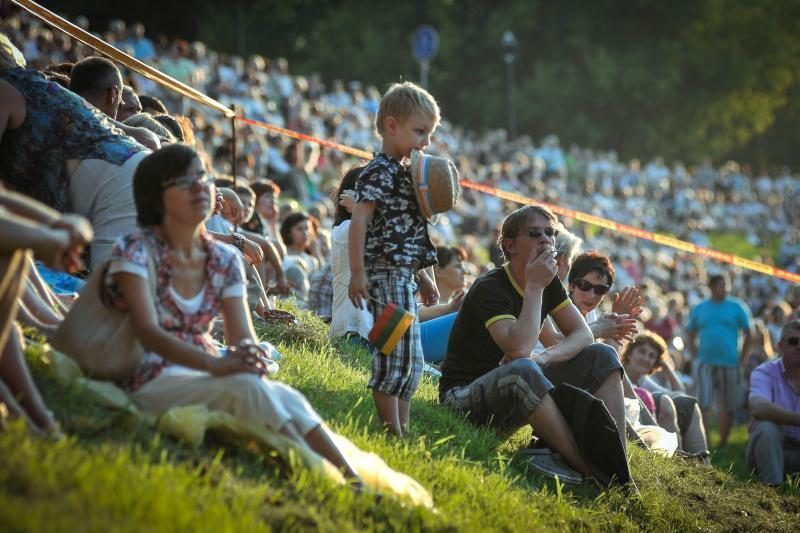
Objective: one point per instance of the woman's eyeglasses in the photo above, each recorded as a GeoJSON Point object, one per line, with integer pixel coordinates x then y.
{"type": "Point", "coordinates": [202, 179]}
{"type": "Point", "coordinates": [584, 285]}
{"type": "Point", "coordinates": [536, 233]}
{"type": "Point", "coordinates": [793, 341]}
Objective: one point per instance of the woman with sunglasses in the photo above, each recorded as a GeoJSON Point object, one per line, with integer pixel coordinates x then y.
{"type": "Point", "coordinates": [198, 278]}
{"type": "Point", "coordinates": [590, 279]}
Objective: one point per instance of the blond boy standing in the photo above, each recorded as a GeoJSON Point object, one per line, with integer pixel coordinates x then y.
{"type": "Point", "coordinates": [389, 245]}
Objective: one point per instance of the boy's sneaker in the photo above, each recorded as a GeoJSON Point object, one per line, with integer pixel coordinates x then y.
{"type": "Point", "coordinates": [550, 464]}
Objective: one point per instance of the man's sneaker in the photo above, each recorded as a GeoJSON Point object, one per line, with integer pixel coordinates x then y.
{"type": "Point", "coordinates": [553, 465]}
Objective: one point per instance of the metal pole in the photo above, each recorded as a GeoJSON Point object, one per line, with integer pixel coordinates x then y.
{"type": "Point", "coordinates": [233, 147]}
{"type": "Point", "coordinates": [423, 73]}
{"type": "Point", "coordinates": [512, 115]}
{"type": "Point", "coordinates": [233, 153]}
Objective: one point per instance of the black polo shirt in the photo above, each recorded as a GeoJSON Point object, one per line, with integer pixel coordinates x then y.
{"type": "Point", "coordinates": [471, 351]}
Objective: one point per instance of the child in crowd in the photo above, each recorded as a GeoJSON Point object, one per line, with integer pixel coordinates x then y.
{"type": "Point", "coordinates": [346, 320]}
{"type": "Point", "coordinates": [390, 247]}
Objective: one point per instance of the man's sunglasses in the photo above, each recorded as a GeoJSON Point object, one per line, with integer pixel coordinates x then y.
{"type": "Point", "coordinates": [792, 341]}
{"type": "Point", "coordinates": [186, 182]}
{"type": "Point", "coordinates": [536, 233]}
{"type": "Point", "coordinates": [584, 285]}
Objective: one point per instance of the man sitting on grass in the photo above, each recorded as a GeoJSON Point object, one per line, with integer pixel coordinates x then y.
{"type": "Point", "coordinates": [489, 371]}
{"type": "Point", "coordinates": [774, 447]}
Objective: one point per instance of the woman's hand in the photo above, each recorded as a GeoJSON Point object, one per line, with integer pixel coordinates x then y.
{"type": "Point", "coordinates": [628, 302]}
{"type": "Point", "coordinates": [615, 327]}
{"type": "Point", "coordinates": [246, 357]}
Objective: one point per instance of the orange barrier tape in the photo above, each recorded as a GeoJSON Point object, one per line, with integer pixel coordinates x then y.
{"type": "Point", "coordinates": [663, 240]}
{"type": "Point", "coordinates": [171, 83]}
{"type": "Point", "coordinates": [308, 138]}
{"type": "Point", "coordinates": [134, 64]}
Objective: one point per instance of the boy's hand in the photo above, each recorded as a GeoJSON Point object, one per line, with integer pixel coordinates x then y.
{"type": "Point", "coordinates": [428, 292]}
{"type": "Point", "coordinates": [358, 289]}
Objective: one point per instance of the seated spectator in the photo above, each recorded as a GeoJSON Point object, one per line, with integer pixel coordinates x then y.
{"type": "Point", "coordinates": [99, 82]}
{"type": "Point", "coordinates": [271, 270]}
{"type": "Point", "coordinates": [58, 240]}
{"type": "Point", "coordinates": [130, 104]}
{"type": "Point", "coordinates": [774, 400]}
{"type": "Point", "coordinates": [346, 319]}
{"type": "Point", "coordinates": [172, 124]}
{"type": "Point", "coordinates": [265, 218]}
{"type": "Point", "coordinates": [198, 278]}
{"type": "Point", "coordinates": [590, 279]}
{"type": "Point", "coordinates": [152, 105]}
{"type": "Point", "coordinates": [298, 263]}
{"type": "Point", "coordinates": [90, 172]}
{"type": "Point", "coordinates": [675, 411]}
{"type": "Point", "coordinates": [761, 351]}
{"type": "Point", "coordinates": [146, 121]}
{"type": "Point", "coordinates": [489, 373]}
{"type": "Point", "coordinates": [449, 272]}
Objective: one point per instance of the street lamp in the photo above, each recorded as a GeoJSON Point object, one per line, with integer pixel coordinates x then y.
{"type": "Point", "coordinates": [509, 42]}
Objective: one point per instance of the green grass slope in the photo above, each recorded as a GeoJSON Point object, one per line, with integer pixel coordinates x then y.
{"type": "Point", "coordinates": [114, 473]}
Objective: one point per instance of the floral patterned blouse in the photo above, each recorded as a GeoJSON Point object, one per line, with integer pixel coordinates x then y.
{"type": "Point", "coordinates": [59, 125]}
{"type": "Point", "coordinates": [225, 278]}
{"type": "Point", "coordinates": [398, 233]}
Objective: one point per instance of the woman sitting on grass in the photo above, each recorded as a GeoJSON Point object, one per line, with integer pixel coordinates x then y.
{"type": "Point", "coordinates": [676, 411]}
{"type": "Point", "coordinates": [198, 278]}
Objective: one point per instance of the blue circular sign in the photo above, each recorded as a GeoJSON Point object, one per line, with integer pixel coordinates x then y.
{"type": "Point", "coordinates": [425, 43]}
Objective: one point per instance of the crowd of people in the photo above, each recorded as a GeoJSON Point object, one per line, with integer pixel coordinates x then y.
{"type": "Point", "coordinates": [522, 306]}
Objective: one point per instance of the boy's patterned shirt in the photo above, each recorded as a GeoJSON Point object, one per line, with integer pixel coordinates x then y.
{"type": "Point", "coordinates": [398, 233]}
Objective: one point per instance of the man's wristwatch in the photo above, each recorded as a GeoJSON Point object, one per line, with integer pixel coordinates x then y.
{"type": "Point", "coordinates": [238, 240]}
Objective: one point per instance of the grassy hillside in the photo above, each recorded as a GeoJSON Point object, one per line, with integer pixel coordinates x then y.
{"type": "Point", "coordinates": [114, 473]}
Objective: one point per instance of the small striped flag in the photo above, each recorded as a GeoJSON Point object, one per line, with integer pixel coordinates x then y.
{"type": "Point", "coordinates": [390, 327]}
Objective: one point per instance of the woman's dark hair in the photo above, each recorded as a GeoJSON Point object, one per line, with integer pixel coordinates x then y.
{"type": "Point", "coordinates": [348, 183]}
{"type": "Point", "coordinates": [151, 104]}
{"type": "Point", "coordinates": [592, 261]}
{"type": "Point", "coordinates": [172, 125]}
{"type": "Point", "coordinates": [158, 167]}
{"type": "Point", "coordinates": [445, 254]}
{"type": "Point", "coordinates": [288, 223]}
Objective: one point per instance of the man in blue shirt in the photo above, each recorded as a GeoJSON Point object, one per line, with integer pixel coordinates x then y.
{"type": "Point", "coordinates": [717, 322]}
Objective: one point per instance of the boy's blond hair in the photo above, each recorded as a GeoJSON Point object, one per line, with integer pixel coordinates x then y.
{"type": "Point", "coordinates": [402, 100]}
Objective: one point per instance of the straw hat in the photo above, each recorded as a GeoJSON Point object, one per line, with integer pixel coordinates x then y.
{"type": "Point", "coordinates": [435, 184]}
